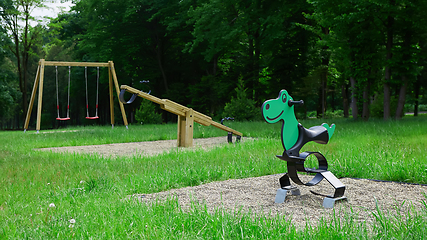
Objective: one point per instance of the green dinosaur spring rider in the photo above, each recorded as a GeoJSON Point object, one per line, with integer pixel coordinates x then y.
{"type": "Point", "coordinates": [294, 137]}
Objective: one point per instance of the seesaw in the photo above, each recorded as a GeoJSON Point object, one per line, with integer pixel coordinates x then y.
{"type": "Point", "coordinates": [186, 116]}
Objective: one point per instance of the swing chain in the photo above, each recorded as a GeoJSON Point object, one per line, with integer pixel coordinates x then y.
{"type": "Point", "coordinates": [97, 95]}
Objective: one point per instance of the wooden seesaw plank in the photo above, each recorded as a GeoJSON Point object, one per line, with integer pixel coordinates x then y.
{"type": "Point", "coordinates": [180, 110]}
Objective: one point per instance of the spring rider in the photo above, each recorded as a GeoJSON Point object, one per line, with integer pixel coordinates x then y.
{"type": "Point", "coordinates": [294, 136]}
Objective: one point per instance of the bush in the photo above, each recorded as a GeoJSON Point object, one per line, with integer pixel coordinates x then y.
{"type": "Point", "coordinates": [411, 107]}
{"type": "Point", "coordinates": [146, 114]}
{"type": "Point", "coordinates": [242, 108]}
{"type": "Point", "coordinates": [328, 114]}
{"type": "Point", "coordinates": [377, 106]}
{"type": "Point", "coordinates": [335, 114]}
{"type": "Point", "coordinates": [312, 114]}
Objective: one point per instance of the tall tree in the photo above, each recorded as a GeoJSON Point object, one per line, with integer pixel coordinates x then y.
{"type": "Point", "coordinates": [16, 16]}
{"type": "Point", "coordinates": [8, 89]}
{"type": "Point", "coordinates": [356, 40]}
{"type": "Point", "coordinates": [246, 31]}
{"type": "Point", "coordinates": [410, 30]}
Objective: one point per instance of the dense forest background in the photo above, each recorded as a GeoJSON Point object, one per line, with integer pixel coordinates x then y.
{"type": "Point", "coordinates": [359, 59]}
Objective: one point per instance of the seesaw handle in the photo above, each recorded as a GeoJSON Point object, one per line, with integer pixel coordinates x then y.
{"type": "Point", "coordinates": [291, 103]}
{"type": "Point", "coordinates": [122, 97]}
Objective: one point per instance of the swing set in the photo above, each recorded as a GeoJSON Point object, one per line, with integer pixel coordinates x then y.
{"type": "Point", "coordinates": [39, 81]}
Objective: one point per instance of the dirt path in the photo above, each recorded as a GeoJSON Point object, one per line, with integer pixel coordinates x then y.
{"type": "Point", "coordinates": [140, 148]}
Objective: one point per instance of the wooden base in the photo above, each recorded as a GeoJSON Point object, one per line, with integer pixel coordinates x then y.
{"type": "Point", "coordinates": [185, 129]}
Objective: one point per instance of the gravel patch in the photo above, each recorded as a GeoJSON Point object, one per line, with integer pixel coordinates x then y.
{"type": "Point", "coordinates": [256, 195]}
{"type": "Point", "coordinates": [150, 148]}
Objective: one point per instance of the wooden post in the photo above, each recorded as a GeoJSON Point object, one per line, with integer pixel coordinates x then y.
{"type": "Point", "coordinates": [110, 86]}
{"type": "Point", "coordinates": [189, 126]}
{"type": "Point", "coordinates": [122, 109]}
{"type": "Point", "coordinates": [33, 96]}
{"type": "Point", "coordinates": [180, 140]}
{"type": "Point", "coordinates": [185, 129]}
{"type": "Point", "coordinates": [39, 104]}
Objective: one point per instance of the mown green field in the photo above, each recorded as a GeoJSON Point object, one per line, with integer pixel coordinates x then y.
{"type": "Point", "coordinates": [90, 189]}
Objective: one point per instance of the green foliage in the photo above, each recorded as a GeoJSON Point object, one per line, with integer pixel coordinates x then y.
{"type": "Point", "coordinates": [328, 114]}
{"type": "Point", "coordinates": [377, 106]}
{"type": "Point", "coordinates": [312, 114]}
{"type": "Point", "coordinates": [410, 107]}
{"type": "Point", "coordinates": [334, 114]}
{"type": "Point", "coordinates": [242, 108]}
{"type": "Point", "coordinates": [200, 47]}
{"type": "Point", "coordinates": [147, 113]}
{"type": "Point", "coordinates": [209, 95]}
{"type": "Point", "coordinates": [8, 93]}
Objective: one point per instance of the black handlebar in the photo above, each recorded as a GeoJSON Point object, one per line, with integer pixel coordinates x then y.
{"type": "Point", "coordinates": [291, 103]}
{"type": "Point", "coordinates": [122, 97]}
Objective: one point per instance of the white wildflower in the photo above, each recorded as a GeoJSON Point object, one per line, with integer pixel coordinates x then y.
{"type": "Point", "coordinates": [81, 182]}
{"type": "Point", "coordinates": [72, 220]}
{"type": "Point", "coordinates": [52, 205]}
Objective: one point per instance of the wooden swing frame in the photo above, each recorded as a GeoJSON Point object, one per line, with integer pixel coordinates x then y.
{"type": "Point", "coordinates": [39, 81]}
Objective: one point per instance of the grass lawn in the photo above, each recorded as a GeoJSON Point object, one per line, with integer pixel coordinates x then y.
{"type": "Point", "coordinates": [90, 189]}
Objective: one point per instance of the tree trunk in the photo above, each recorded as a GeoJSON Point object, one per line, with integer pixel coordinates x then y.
{"type": "Point", "coordinates": [405, 58]}
{"type": "Point", "coordinates": [254, 53]}
{"type": "Point", "coordinates": [215, 64]}
{"type": "Point", "coordinates": [417, 86]}
{"type": "Point", "coordinates": [333, 98]}
{"type": "Point", "coordinates": [256, 64]}
{"type": "Point", "coordinates": [22, 44]}
{"type": "Point", "coordinates": [324, 77]}
{"type": "Point", "coordinates": [402, 98]}
{"type": "Point", "coordinates": [321, 106]}
{"type": "Point", "coordinates": [354, 110]}
{"type": "Point", "coordinates": [319, 109]}
{"type": "Point", "coordinates": [158, 50]}
{"type": "Point", "coordinates": [324, 86]}
{"type": "Point", "coordinates": [25, 56]}
{"type": "Point", "coordinates": [160, 64]}
{"type": "Point", "coordinates": [386, 88]}
{"type": "Point", "coordinates": [387, 78]}
{"type": "Point", "coordinates": [366, 102]}
{"type": "Point", "coordinates": [344, 90]}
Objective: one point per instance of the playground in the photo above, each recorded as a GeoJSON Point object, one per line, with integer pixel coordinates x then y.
{"type": "Point", "coordinates": [235, 181]}
{"type": "Point", "coordinates": [198, 165]}
{"type": "Point", "coordinates": [255, 194]}
{"type": "Point", "coordinates": [213, 120]}
{"type": "Point", "coordinates": [200, 172]}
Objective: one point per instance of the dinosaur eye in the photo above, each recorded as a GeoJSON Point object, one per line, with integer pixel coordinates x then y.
{"type": "Point", "coordinates": [284, 97]}
{"type": "Point", "coordinates": [267, 106]}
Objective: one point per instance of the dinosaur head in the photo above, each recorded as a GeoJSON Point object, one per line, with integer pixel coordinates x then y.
{"type": "Point", "coordinates": [281, 108]}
